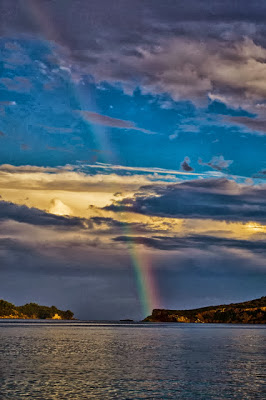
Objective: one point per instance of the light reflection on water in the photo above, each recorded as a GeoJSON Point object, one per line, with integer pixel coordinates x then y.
{"type": "Point", "coordinates": [79, 360]}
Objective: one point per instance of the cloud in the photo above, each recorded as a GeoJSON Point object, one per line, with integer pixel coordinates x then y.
{"type": "Point", "coordinates": [59, 208]}
{"type": "Point", "coordinates": [185, 165]}
{"type": "Point", "coordinates": [62, 149]}
{"type": "Point", "coordinates": [261, 174]}
{"type": "Point", "coordinates": [185, 68]}
{"type": "Point", "coordinates": [7, 103]}
{"type": "Point", "coordinates": [39, 267]}
{"type": "Point", "coordinates": [31, 168]}
{"type": "Point", "coordinates": [18, 84]}
{"type": "Point", "coordinates": [173, 136]}
{"type": "Point", "coordinates": [48, 255]}
{"type": "Point", "coordinates": [33, 216]}
{"type": "Point", "coordinates": [104, 120]}
{"type": "Point", "coordinates": [87, 178]}
{"type": "Point", "coordinates": [253, 124]}
{"type": "Point", "coordinates": [190, 52]}
{"type": "Point", "coordinates": [57, 129]}
{"type": "Point", "coordinates": [85, 191]}
{"type": "Point", "coordinates": [53, 266]}
{"type": "Point", "coordinates": [111, 226]}
{"type": "Point", "coordinates": [77, 186]}
{"type": "Point", "coordinates": [139, 18]}
{"type": "Point", "coordinates": [217, 162]}
{"type": "Point", "coordinates": [195, 241]}
{"type": "Point", "coordinates": [152, 170]}
{"type": "Point", "coordinates": [25, 147]}
{"type": "Point", "coordinates": [217, 199]}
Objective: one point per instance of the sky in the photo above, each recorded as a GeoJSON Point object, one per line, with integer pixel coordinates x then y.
{"type": "Point", "coordinates": [132, 154]}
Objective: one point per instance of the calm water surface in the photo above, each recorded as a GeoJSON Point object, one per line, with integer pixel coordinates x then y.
{"type": "Point", "coordinates": [78, 360]}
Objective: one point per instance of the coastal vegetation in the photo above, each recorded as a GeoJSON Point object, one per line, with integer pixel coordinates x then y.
{"type": "Point", "coordinates": [248, 312]}
{"type": "Point", "coordinates": [32, 311]}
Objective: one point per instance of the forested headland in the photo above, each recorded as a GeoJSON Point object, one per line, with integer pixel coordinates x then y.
{"type": "Point", "coordinates": [32, 311]}
{"type": "Point", "coordinates": [248, 312]}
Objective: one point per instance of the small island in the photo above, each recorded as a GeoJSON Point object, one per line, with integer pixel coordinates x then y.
{"type": "Point", "coordinates": [32, 311]}
{"type": "Point", "coordinates": [248, 312]}
{"type": "Point", "coordinates": [127, 320]}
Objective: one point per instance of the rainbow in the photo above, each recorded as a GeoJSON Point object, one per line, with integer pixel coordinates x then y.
{"type": "Point", "coordinates": [140, 260]}
{"type": "Point", "coordinates": [146, 286]}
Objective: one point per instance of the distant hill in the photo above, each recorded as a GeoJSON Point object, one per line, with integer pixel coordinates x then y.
{"type": "Point", "coordinates": [32, 311]}
{"type": "Point", "coordinates": [248, 312]}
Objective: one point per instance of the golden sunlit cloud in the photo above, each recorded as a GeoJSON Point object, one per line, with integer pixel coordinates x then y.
{"type": "Point", "coordinates": [63, 191]}
{"type": "Point", "coordinates": [59, 208]}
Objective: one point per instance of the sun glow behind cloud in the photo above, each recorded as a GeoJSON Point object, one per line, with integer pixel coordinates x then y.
{"type": "Point", "coordinates": [59, 208]}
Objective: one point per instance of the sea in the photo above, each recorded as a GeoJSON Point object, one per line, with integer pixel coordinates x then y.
{"type": "Point", "coordinates": [58, 360]}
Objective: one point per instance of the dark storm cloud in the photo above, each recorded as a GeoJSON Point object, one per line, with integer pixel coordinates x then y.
{"type": "Point", "coordinates": [49, 259]}
{"type": "Point", "coordinates": [13, 245]}
{"type": "Point", "coordinates": [124, 16]}
{"type": "Point", "coordinates": [94, 287]}
{"type": "Point", "coordinates": [197, 241]}
{"type": "Point", "coordinates": [108, 221]}
{"type": "Point", "coordinates": [186, 49]}
{"type": "Point", "coordinates": [33, 216]}
{"type": "Point", "coordinates": [102, 286]}
{"type": "Point", "coordinates": [116, 227]}
{"type": "Point", "coordinates": [79, 273]}
{"type": "Point", "coordinates": [113, 223]}
{"type": "Point", "coordinates": [218, 199]}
